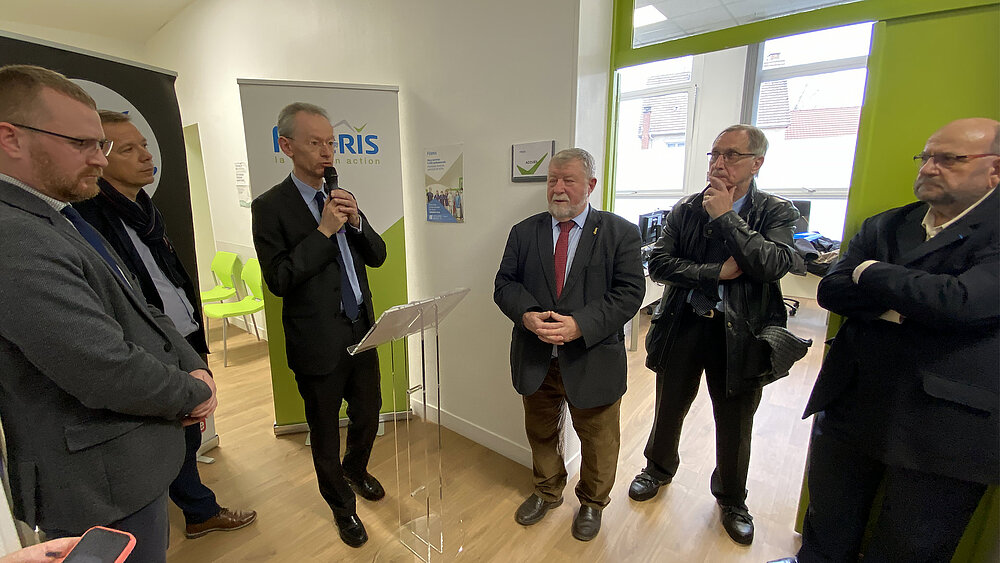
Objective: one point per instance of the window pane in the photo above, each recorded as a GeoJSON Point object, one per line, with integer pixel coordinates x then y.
{"type": "Point", "coordinates": [817, 46]}
{"type": "Point", "coordinates": [811, 123]}
{"type": "Point", "coordinates": [631, 208]}
{"type": "Point", "coordinates": [651, 139]}
{"type": "Point", "coordinates": [659, 73]}
{"type": "Point", "coordinates": [656, 21]}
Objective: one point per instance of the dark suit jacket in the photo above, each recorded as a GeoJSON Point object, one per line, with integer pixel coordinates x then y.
{"type": "Point", "coordinates": [922, 394]}
{"type": "Point", "coordinates": [94, 381]}
{"type": "Point", "coordinates": [103, 217]}
{"type": "Point", "coordinates": [603, 290]}
{"type": "Point", "coordinates": [299, 264]}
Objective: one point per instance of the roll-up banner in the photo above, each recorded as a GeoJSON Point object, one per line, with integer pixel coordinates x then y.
{"type": "Point", "coordinates": [365, 121]}
{"type": "Point", "coordinates": [147, 94]}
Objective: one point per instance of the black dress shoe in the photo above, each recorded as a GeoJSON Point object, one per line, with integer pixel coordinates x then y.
{"type": "Point", "coordinates": [533, 509]}
{"type": "Point", "coordinates": [367, 486]}
{"type": "Point", "coordinates": [645, 486]}
{"type": "Point", "coordinates": [587, 523]}
{"type": "Point", "coordinates": [352, 531]}
{"type": "Point", "coordinates": [738, 524]}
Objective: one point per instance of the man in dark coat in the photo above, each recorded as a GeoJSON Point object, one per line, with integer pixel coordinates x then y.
{"type": "Point", "coordinates": [125, 216]}
{"type": "Point", "coordinates": [721, 254]}
{"type": "Point", "coordinates": [908, 394]}
{"type": "Point", "coordinates": [314, 245]}
{"type": "Point", "coordinates": [570, 279]}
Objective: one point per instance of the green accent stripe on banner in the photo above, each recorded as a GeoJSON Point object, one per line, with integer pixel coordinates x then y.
{"type": "Point", "coordinates": [388, 285]}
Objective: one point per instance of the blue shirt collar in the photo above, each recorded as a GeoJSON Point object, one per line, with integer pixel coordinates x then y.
{"type": "Point", "coordinates": [738, 204]}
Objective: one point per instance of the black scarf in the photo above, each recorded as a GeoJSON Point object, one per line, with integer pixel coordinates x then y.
{"type": "Point", "coordinates": [144, 218]}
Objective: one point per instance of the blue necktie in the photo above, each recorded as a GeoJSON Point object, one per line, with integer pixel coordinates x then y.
{"type": "Point", "coordinates": [93, 238]}
{"type": "Point", "coordinates": [347, 298]}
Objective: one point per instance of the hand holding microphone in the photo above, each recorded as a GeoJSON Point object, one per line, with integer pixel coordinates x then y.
{"type": "Point", "coordinates": [344, 206]}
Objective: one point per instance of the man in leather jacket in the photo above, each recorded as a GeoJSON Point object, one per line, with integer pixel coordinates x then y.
{"type": "Point", "coordinates": [721, 255]}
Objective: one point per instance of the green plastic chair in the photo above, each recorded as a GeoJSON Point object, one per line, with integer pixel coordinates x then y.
{"type": "Point", "coordinates": [224, 267]}
{"type": "Point", "coordinates": [246, 306]}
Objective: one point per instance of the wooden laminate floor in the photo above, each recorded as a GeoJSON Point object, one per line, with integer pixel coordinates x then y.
{"type": "Point", "coordinates": [274, 475]}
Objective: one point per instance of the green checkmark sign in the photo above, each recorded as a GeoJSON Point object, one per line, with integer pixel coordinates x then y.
{"type": "Point", "coordinates": [529, 171]}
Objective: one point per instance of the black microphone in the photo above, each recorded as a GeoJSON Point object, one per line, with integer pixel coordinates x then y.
{"type": "Point", "coordinates": [330, 175]}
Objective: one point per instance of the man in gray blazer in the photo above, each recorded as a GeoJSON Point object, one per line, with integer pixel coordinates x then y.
{"type": "Point", "coordinates": [96, 384]}
{"type": "Point", "coordinates": [570, 279]}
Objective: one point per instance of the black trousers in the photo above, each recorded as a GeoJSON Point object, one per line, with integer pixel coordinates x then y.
{"type": "Point", "coordinates": [700, 345]}
{"type": "Point", "coordinates": [195, 500]}
{"type": "Point", "coordinates": [356, 381]}
{"type": "Point", "coordinates": [923, 516]}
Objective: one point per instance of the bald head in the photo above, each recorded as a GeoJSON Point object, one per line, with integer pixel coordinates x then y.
{"type": "Point", "coordinates": [949, 184]}
{"type": "Point", "coordinates": [979, 133]}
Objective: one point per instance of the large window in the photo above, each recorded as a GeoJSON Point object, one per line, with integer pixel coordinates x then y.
{"type": "Point", "coordinates": [808, 103]}
{"type": "Point", "coordinates": [804, 91]}
{"type": "Point", "coordinates": [655, 111]}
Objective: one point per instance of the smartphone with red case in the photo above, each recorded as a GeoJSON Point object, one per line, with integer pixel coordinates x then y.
{"type": "Point", "coordinates": [102, 545]}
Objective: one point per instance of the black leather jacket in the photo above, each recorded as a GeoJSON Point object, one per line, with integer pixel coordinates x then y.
{"type": "Point", "coordinates": [760, 240]}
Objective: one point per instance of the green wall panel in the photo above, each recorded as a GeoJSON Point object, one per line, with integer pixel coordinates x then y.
{"type": "Point", "coordinates": [388, 285]}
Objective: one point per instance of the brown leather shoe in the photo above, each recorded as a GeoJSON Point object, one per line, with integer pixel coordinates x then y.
{"type": "Point", "coordinates": [533, 509]}
{"type": "Point", "coordinates": [225, 521]}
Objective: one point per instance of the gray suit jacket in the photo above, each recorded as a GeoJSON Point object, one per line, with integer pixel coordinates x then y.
{"type": "Point", "coordinates": [93, 381]}
{"type": "Point", "coordinates": [603, 290]}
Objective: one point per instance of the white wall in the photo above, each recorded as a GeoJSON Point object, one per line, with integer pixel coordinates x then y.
{"type": "Point", "coordinates": [483, 74]}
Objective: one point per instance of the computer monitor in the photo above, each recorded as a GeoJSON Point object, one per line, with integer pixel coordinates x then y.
{"type": "Point", "coordinates": [803, 205]}
{"type": "Point", "coordinates": [651, 225]}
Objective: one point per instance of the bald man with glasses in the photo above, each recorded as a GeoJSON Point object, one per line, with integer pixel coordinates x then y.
{"type": "Point", "coordinates": [721, 255]}
{"type": "Point", "coordinates": [907, 397]}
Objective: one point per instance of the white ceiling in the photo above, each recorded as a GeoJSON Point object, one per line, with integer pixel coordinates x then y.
{"type": "Point", "coordinates": [127, 20]}
{"type": "Point", "coordinates": [687, 17]}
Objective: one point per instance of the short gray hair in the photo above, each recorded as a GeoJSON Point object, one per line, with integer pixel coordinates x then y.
{"type": "Point", "coordinates": [286, 118]}
{"type": "Point", "coordinates": [756, 138]}
{"type": "Point", "coordinates": [585, 158]}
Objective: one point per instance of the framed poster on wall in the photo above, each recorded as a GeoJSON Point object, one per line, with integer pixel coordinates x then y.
{"type": "Point", "coordinates": [529, 162]}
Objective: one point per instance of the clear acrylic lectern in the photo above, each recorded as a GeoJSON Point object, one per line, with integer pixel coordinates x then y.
{"type": "Point", "coordinates": [426, 530]}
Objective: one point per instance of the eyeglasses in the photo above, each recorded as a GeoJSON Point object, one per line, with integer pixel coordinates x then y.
{"type": "Point", "coordinates": [946, 160]}
{"type": "Point", "coordinates": [102, 146]}
{"type": "Point", "coordinates": [729, 157]}
{"type": "Point", "coordinates": [315, 144]}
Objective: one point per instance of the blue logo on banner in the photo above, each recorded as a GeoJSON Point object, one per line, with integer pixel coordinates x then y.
{"type": "Point", "coordinates": [346, 143]}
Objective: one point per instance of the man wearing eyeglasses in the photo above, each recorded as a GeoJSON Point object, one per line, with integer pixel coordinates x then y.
{"type": "Point", "coordinates": [314, 245]}
{"type": "Point", "coordinates": [96, 383]}
{"type": "Point", "coordinates": [722, 253]}
{"type": "Point", "coordinates": [908, 393]}
{"type": "Point", "coordinates": [132, 225]}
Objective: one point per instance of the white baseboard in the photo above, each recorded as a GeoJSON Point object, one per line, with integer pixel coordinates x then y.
{"type": "Point", "coordinates": [501, 445]}
{"type": "Point", "coordinates": [208, 444]}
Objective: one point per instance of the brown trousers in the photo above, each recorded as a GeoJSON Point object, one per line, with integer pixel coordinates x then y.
{"type": "Point", "coordinates": [599, 432]}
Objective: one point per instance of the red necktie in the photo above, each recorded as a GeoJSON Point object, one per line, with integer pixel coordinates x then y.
{"type": "Point", "coordinates": [562, 247]}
